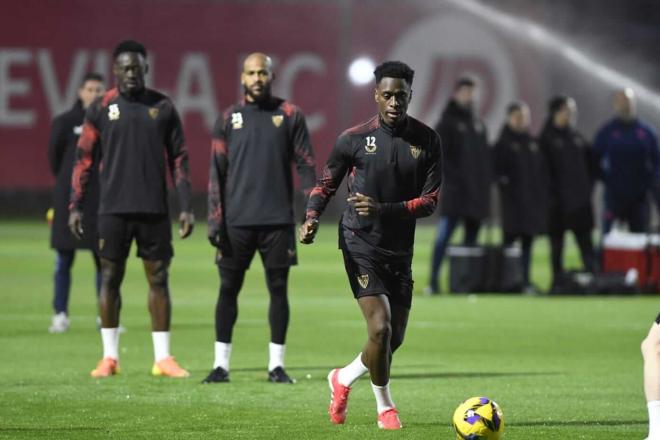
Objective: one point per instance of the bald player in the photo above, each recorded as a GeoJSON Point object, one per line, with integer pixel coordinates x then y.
{"type": "Point", "coordinates": [250, 205]}
{"type": "Point", "coordinates": [626, 149]}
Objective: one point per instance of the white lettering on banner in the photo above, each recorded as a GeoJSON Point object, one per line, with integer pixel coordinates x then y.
{"type": "Point", "coordinates": [195, 70]}
{"type": "Point", "coordinates": [194, 90]}
{"type": "Point", "coordinates": [290, 70]}
{"type": "Point", "coordinates": [59, 102]}
{"type": "Point", "coordinates": [14, 87]}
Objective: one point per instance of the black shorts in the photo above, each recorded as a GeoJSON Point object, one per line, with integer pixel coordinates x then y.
{"type": "Point", "coordinates": [370, 276]}
{"type": "Point", "coordinates": [657, 320]}
{"type": "Point", "coordinates": [276, 245]}
{"type": "Point", "coordinates": [153, 234]}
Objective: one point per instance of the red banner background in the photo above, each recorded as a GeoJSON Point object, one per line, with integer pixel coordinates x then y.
{"type": "Point", "coordinates": [195, 52]}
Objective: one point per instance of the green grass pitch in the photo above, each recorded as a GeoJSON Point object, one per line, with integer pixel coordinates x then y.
{"type": "Point", "coordinates": [561, 368]}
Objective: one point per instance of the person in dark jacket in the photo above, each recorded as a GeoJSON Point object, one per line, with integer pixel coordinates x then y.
{"type": "Point", "coordinates": [571, 176]}
{"type": "Point", "coordinates": [626, 151]}
{"type": "Point", "coordinates": [467, 174]}
{"type": "Point", "coordinates": [66, 129]}
{"type": "Point", "coordinates": [522, 179]}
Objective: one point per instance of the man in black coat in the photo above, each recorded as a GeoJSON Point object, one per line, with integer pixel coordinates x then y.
{"type": "Point", "coordinates": [66, 129]}
{"type": "Point", "coordinates": [571, 170]}
{"type": "Point", "coordinates": [522, 179]}
{"type": "Point", "coordinates": [467, 174]}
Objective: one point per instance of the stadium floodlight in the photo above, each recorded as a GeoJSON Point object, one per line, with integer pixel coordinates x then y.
{"type": "Point", "coordinates": [361, 71]}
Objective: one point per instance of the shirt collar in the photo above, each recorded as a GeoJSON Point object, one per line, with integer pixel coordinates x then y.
{"type": "Point", "coordinates": [397, 129]}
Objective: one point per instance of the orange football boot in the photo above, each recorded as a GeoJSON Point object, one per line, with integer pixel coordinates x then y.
{"type": "Point", "coordinates": [168, 367]}
{"type": "Point", "coordinates": [106, 367]}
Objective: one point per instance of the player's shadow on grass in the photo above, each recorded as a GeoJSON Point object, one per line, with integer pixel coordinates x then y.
{"type": "Point", "coordinates": [325, 368]}
{"type": "Point", "coordinates": [471, 374]}
{"type": "Point", "coordinates": [581, 423]}
{"type": "Point", "coordinates": [46, 430]}
{"type": "Point", "coordinates": [420, 375]}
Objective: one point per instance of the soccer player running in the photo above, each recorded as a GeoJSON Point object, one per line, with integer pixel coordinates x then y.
{"type": "Point", "coordinates": [66, 129]}
{"type": "Point", "coordinates": [250, 206]}
{"type": "Point", "coordinates": [651, 353]}
{"type": "Point", "coordinates": [139, 134]}
{"type": "Point", "coordinates": [394, 167]}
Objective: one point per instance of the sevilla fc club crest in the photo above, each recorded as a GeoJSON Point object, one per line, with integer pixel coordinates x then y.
{"type": "Point", "coordinates": [277, 120]}
{"type": "Point", "coordinates": [153, 112]}
{"type": "Point", "coordinates": [415, 151]}
{"type": "Point", "coordinates": [363, 280]}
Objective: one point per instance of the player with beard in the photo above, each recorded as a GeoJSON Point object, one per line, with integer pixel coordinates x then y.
{"type": "Point", "coordinates": [250, 205]}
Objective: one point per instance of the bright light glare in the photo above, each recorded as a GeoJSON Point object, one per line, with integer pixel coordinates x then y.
{"type": "Point", "coordinates": [552, 41]}
{"type": "Point", "coordinates": [361, 71]}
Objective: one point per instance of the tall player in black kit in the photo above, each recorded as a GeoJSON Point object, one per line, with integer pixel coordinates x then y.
{"type": "Point", "coordinates": [138, 135]}
{"type": "Point", "coordinates": [250, 205]}
{"type": "Point", "coordinates": [394, 168]}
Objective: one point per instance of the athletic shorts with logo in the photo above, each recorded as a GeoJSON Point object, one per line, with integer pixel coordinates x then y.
{"type": "Point", "coordinates": [276, 245]}
{"type": "Point", "coordinates": [370, 274]}
{"type": "Point", "coordinates": [152, 233]}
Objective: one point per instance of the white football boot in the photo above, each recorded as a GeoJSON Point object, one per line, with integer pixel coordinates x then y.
{"type": "Point", "coordinates": [59, 324]}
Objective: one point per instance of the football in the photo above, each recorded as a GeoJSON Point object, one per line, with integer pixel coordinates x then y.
{"type": "Point", "coordinates": [478, 418]}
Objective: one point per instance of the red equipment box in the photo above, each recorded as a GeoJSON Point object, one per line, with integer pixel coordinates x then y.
{"type": "Point", "coordinates": [623, 251]}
